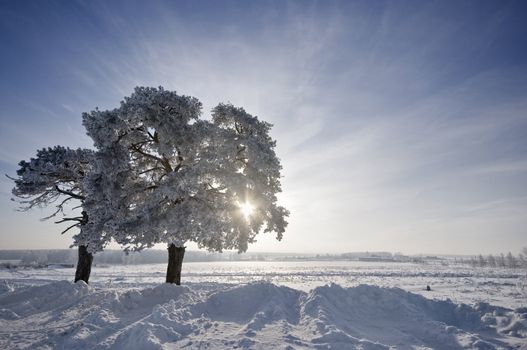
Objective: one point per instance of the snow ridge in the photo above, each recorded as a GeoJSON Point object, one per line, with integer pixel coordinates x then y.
{"type": "Point", "coordinates": [259, 315]}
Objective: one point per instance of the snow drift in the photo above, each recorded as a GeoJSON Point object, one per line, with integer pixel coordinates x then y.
{"type": "Point", "coordinates": [63, 315]}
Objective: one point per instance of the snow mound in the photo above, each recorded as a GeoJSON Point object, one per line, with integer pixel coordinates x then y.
{"type": "Point", "coordinates": [258, 302]}
{"type": "Point", "coordinates": [394, 317]}
{"type": "Point", "coordinates": [257, 315]}
{"type": "Point", "coordinates": [53, 296]}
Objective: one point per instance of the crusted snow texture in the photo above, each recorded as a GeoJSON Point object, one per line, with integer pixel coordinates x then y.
{"type": "Point", "coordinates": [63, 315]}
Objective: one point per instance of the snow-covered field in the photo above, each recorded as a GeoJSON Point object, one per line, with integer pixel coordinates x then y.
{"type": "Point", "coordinates": [266, 305]}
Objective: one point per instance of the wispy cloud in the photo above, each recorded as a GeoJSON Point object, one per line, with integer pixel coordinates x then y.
{"type": "Point", "coordinates": [392, 120]}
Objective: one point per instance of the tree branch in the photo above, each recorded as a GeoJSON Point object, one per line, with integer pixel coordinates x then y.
{"type": "Point", "coordinates": [148, 155]}
{"type": "Point", "coordinates": [179, 159]}
{"type": "Point", "coordinates": [69, 228]}
{"type": "Point", "coordinates": [163, 160]}
{"type": "Point", "coordinates": [166, 165]}
{"type": "Point", "coordinates": [149, 170]}
{"type": "Point", "coordinates": [154, 137]}
{"type": "Point", "coordinates": [78, 218]}
{"type": "Point", "coordinates": [238, 128]}
{"type": "Point", "coordinates": [74, 195]}
{"type": "Point", "coordinates": [59, 209]}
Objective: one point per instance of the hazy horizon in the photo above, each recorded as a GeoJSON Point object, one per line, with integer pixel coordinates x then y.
{"type": "Point", "coordinates": [401, 126]}
{"type": "Point", "coordinates": [278, 254]}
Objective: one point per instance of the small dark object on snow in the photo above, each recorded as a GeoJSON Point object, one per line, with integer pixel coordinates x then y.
{"type": "Point", "coordinates": [428, 288]}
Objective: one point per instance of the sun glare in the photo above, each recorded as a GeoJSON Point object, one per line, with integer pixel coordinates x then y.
{"type": "Point", "coordinates": [246, 209]}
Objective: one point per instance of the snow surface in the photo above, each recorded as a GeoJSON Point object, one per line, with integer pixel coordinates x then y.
{"type": "Point", "coordinates": [39, 311]}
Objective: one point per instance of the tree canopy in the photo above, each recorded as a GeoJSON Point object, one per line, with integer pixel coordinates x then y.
{"type": "Point", "coordinates": [163, 174]}
{"type": "Point", "coordinates": [55, 176]}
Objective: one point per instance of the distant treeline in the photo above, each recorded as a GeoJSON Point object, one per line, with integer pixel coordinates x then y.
{"type": "Point", "coordinates": [502, 260]}
{"type": "Point", "coordinates": [158, 256]}
{"type": "Point", "coordinates": [69, 256]}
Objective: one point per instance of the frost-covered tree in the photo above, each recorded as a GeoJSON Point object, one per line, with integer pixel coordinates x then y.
{"type": "Point", "coordinates": [512, 262]}
{"type": "Point", "coordinates": [500, 260]}
{"type": "Point", "coordinates": [104, 198]}
{"type": "Point", "coordinates": [56, 177]}
{"type": "Point", "coordinates": [521, 260]}
{"type": "Point", "coordinates": [178, 178]}
{"type": "Point", "coordinates": [522, 257]}
{"type": "Point", "coordinates": [481, 261]}
{"type": "Point", "coordinates": [491, 260]}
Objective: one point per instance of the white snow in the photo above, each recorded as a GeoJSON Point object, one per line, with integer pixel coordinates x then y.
{"type": "Point", "coordinates": [39, 312]}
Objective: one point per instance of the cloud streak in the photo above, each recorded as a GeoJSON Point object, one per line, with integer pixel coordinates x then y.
{"type": "Point", "coordinates": [391, 120]}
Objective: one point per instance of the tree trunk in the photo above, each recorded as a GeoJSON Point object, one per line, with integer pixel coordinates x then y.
{"type": "Point", "coordinates": [175, 260]}
{"type": "Point", "coordinates": [83, 264]}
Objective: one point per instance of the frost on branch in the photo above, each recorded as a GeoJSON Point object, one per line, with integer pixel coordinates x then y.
{"type": "Point", "coordinates": [162, 174]}
{"type": "Point", "coordinates": [55, 176]}
{"type": "Point", "coordinates": [103, 198]}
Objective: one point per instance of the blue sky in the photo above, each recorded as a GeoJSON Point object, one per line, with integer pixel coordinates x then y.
{"type": "Point", "coordinates": [401, 125]}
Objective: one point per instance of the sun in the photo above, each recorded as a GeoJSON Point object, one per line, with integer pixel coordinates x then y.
{"type": "Point", "coordinates": [247, 209]}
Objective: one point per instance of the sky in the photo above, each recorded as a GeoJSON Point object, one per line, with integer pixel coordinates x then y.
{"type": "Point", "coordinates": [401, 125]}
